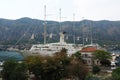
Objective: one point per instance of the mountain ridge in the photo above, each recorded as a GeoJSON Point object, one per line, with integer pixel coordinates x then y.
{"type": "Point", "coordinates": [103, 31]}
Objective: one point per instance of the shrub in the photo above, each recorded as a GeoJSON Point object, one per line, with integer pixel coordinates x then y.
{"type": "Point", "coordinates": [95, 69]}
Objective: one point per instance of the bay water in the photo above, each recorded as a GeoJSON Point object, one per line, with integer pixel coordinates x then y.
{"type": "Point", "coordinates": [5, 55]}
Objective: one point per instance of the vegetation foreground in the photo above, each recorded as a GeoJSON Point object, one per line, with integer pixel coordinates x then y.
{"type": "Point", "coordinates": [57, 67]}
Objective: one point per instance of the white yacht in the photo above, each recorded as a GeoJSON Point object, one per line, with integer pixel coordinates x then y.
{"type": "Point", "coordinates": [51, 48]}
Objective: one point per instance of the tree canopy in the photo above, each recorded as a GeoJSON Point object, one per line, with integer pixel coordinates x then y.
{"type": "Point", "coordinates": [12, 70]}
{"type": "Point", "coordinates": [56, 67]}
{"type": "Point", "coordinates": [116, 74]}
{"type": "Point", "coordinates": [101, 55]}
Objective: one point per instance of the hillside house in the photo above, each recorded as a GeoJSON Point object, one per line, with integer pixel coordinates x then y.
{"type": "Point", "coordinates": [87, 55]}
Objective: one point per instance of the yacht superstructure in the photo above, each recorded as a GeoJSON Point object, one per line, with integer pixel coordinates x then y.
{"type": "Point", "coordinates": [51, 48]}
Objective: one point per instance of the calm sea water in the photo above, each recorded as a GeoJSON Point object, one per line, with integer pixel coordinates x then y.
{"type": "Point", "coordinates": [4, 55]}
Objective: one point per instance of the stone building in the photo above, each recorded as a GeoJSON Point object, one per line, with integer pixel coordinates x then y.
{"type": "Point", "coordinates": [87, 55]}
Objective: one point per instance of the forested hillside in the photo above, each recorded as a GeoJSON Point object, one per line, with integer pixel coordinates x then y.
{"type": "Point", "coordinates": [19, 31]}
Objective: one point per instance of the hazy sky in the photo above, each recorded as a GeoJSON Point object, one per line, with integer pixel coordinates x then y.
{"type": "Point", "coordinates": [89, 9]}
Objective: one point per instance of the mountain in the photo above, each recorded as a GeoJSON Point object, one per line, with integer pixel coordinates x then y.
{"type": "Point", "coordinates": [19, 31]}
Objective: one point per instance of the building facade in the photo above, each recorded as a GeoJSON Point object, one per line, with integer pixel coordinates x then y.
{"type": "Point", "coordinates": [88, 57]}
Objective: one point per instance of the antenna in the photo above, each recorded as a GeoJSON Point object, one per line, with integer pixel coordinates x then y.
{"type": "Point", "coordinates": [45, 24]}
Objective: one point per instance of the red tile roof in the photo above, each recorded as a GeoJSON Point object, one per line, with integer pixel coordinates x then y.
{"type": "Point", "coordinates": [89, 49]}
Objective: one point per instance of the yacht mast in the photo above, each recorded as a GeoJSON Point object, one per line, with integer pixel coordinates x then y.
{"type": "Point", "coordinates": [91, 34]}
{"type": "Point", "coordinates": [62, 36]}
{"type": "Point", "coordinates": [60, 21]}
{"type": "Point", "coordinates": [45, 24]}
{"type": "Point", "coordinates": [73, 27]}
{"type": "Point", "coordinates": [83, 31]}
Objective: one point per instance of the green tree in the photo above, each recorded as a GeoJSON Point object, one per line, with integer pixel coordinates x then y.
{"type": "Point", "coordinates": [19, 73]}
{"type": "Point", "coordinates": [48, 67]}
{"type": "Point", "coordinates": [8, 68]}
{"type": "Point", "coordinates": [95, 69]}
{"type": "Point", "coordinates": [116, 74]}
{"type": "Point", "coordinates": [56, 67]}
{"type": "Point", "coordinates": [34, 64]}
{"type": "Point", "coordinates": [78, 56]}
{"type": "Point", "coordinates": [102, 56]}
{"type": "Point", "coordinates": [105, 62]}
{"type": "Point", "coordinates": [76, 69]}
{"type": "Point", "coordinates": [12, 70]}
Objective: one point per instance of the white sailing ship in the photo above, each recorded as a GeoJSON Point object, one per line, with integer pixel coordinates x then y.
{"type": "Point", "coordinates": [51, 48]}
